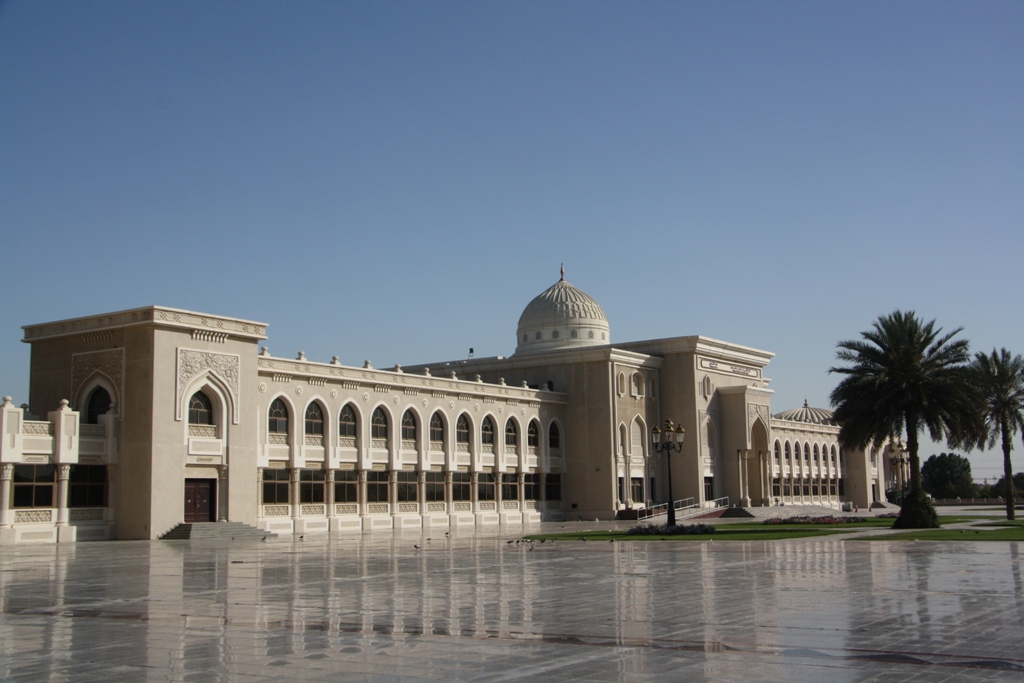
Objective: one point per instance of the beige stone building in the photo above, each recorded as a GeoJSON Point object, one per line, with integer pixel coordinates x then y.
{"type": "Point", "coordinates": [141, 420]}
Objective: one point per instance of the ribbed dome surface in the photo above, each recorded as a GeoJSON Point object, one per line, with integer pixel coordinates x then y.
{"type": "Point", "coordinates": [816, 416]}
{"type": "Point", "coordinates": [561, 316]}
{"type": "Point", "coordinates": [560, 304]}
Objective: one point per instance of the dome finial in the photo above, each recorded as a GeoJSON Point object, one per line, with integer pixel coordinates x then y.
{"type": "Point", "coordinates": [805, 404]}
{"type": "Point", "coordinates": [563, 273]}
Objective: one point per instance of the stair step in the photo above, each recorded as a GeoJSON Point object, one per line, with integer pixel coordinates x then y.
{"type": "Point", "coordinates": [215, 530]}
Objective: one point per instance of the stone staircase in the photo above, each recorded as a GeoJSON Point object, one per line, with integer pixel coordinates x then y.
{"type": "Point", "coordinates": [216, 531]}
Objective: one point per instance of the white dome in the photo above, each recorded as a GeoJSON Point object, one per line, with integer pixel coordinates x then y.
{"type": "Point", "coordinates": [561, 317]}
{"type": "Point", "coordinates": [816, 416]}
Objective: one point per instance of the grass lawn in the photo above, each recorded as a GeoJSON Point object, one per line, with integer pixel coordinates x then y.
{"type": "Point", "coordinates": [758, 531]}
{"type": "Point", "coordinates": [1005, 523]}
{"type": "Point", "coordinates": [722, 533]}
{"type": "Point", "coordinates": [1005, 534]}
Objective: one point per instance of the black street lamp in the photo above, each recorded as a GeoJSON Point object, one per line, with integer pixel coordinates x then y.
{"type": "Point", "coordinates": [673, 442]}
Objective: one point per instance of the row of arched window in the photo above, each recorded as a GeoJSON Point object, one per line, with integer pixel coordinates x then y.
{"type": "Point", "coordinates": [823, 456]}
{"type": "Point", "coordinates": [278, 417]}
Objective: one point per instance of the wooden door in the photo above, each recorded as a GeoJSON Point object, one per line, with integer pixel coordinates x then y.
{"type": "Point", "coordinates": [199, 500]}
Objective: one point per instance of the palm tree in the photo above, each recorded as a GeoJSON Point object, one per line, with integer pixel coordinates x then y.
{"type": "Point", "coordinates": [1000, 377]}
{"type": "Point", "coordinates": [905, 375]}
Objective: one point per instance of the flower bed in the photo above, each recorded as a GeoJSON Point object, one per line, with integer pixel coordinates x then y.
{"type": "Point", "coordinates": [676, 530]}
{"type": "Point", "coordinates": [824, 519]}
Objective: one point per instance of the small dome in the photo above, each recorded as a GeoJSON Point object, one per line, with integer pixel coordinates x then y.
{"type": "Point", "coordinates": [561, 316]}
{"type": "Point", "coordinates": [815, 416]}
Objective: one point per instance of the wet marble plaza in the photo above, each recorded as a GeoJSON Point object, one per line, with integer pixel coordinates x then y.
{"type": "Point", "coordinates": [472, 607]}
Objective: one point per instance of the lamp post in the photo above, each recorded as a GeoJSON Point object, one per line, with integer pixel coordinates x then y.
{"type": "Point", "coordinates": [673, 442]}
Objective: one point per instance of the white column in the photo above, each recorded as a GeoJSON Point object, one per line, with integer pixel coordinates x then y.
{"type": "Point", "coordinates": [222, 493]}
{"type": "Point", "coordinates": [294, 493]}
{"type": "Point", "coordinates": [63, 473]}
{"type": "Point", "coordinates": [329, 493]}
{"type": "Point", "coordinates": [6, 474]}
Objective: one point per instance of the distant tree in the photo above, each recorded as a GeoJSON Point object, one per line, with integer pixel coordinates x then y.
{"type": "Point", "coordinates": [905, 375]}
{"type": "Point", "coordinates": [999, 488]}
{"type": "Point", "coordinates": [1000, 378]}
{"type": "Point", "coordinates": [947, 475]}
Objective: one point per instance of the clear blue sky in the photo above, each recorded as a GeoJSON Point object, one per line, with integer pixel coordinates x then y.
{"type": "Point", "coordinates": [396, 181]}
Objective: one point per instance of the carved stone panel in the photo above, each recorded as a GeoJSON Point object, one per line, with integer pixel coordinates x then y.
{"type": "Point", "coordinates": [223, 365]}
{"type": "Point", "coordinates": [108, 363]}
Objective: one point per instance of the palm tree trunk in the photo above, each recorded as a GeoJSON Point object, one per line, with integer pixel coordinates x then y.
{"type": "Point", "coordinates": [1007, 469]}
{"type": "Point", "coordinates": [915, 463]}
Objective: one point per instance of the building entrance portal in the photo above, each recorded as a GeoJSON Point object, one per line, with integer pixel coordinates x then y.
{"type": "Point", "coordinates": [200, 500]}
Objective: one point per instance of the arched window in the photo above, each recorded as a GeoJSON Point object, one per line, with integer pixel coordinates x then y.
{"type": "Point", "coordinates": [638, 384]}
{"type": "Point", "coordinates": [636, 438]}
{"type": "Point", "coordinates": [575, 334]}
{"type": "Point", "coordinates": [347, 422]}
{"type": "Point", "coordinates": [833, 455]}
{"type": "Point", "coordinates": [278, 423]}
{"type": "Point", "coordinates": [200, 409]}
{"type": "Point", "coordinates": [590, 335]}
{"type": "Point", "coordinates": [533, 435]}
{"type": "Point", "coordinates": [537, 336]}
{"type": "Point", "coordinates": [487, 431]}
{"type": "Point", "coordinates": [816, 454]}
{"type": "Point", "coordinates": [462, 430]}
{"type": "Point", "coordinates": [436, 427]}
{"type": "Point", "coordinates": [789, 456]}
{"type": "Point", "coordinates": [623, 448]}
{"type": "Point", "coordinates": [554, 335]}
{"type": "Point", "coordinates": [554, 437]}
{"type": "Point", "coordinates": [511, 434]}
{"type": "Point", "coordinates": [622, 383]}
{"type": "Point", "coordinates": [778, 452]}
{"type": "Point", "coordinates": [379, 424]}
{"type": "Point", "coordinates": [98, 404]}
{"type": "Point", "coordinates": [526, 338]}
{"type": "Point", "coordinates": [314, 419]}
{"type": "Point", "coordinates": [408, 426]}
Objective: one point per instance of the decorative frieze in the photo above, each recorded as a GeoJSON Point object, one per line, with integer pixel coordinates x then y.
{"type": "Point", "coordinates": [728, 368]}
{"type": "Point", "coordinates": [86, 514]}
{"type": "Point", "coordinates": [37, 428]}
{"type": "Point", "coordinates": [33, 516]}
{"type": "Point", "coordinates": [204, 431]}
{"type": "Point", "coordinates": [210, 336]}
{"type": "Point", "coordinates": [93, 338]}
{"type": "Point", "coordinates": [93, 431]}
